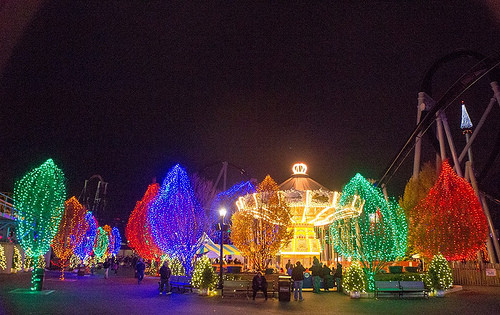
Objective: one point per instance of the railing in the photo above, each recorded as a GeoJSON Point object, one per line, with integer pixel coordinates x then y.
{"type": "Point", "coordinates": [473, 273]}
{"type": "Point", "coordinates": [6, 204]}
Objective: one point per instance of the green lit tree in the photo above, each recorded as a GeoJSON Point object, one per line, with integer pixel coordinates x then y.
{"type": "Point", "coordinates": [378, 235]}
{"type": "Point", "coordinates": [354, 279]}
{"type": "Point", "coordinates": [39, 204]}
{"type": "Point", "coordinates": [439, 276]}
{"type": "Point", "coordinates": [203, 274]}
{"type": "Point", "coordinates": [101, 244]}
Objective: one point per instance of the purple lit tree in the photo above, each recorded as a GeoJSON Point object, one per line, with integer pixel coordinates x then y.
{"type": "Point", "coordinates": [85, 247]}
{"type": "Point", "coordinates": [176, 218]}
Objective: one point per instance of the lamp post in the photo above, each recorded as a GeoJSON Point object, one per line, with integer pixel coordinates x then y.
{"type": "Point", "coordinates": [222, 213]}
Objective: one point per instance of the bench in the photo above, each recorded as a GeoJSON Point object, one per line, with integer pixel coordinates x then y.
{"type": "Point", "coordinates": [387, 287]}
{"type": "Point", "coordinates": [413, 287]}
{"type": "Point", "coordinates": [236, 286]}
{"type": "Point", "coordinates": [400, 287]}
{"type": "Point", "coordinates": [181, 282]}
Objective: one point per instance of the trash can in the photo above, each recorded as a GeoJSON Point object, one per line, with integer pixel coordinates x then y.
{"type": "Point", "coordinates": [284, 288]}
{"type": "Point", "coordinates": [37, 279]}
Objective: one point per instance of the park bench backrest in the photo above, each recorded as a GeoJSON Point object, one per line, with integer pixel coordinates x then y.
{"type": "Point", "coordinates": [236, 283]}
{"type": "Point", "coordinates": [414, 285]}
{"type": "Point", "coordinates": [173, 278]}
{"type": "Point", "coordinates": [387, 284]}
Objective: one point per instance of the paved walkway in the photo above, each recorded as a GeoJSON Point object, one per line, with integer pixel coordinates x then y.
{"type": "Point", "coordinates": [121, 295]}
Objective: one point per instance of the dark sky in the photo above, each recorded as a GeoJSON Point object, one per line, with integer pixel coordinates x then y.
{"type": "Point", "coordinates": [127, 89]}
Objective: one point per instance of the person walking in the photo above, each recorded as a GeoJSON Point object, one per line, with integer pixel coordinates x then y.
{"type": "Point", "coordinates": [298, 280]}
{"type": "Point", "coordinates": [325, 274]}
{"type": "Point", "coordinates": [259, 283]}
{"type": "Point", "coordinates": [140, 267]}
{"type": "Point", "coordinates": [165, 274]}
{"type": "Point", "coordinates": [115, 265]}
{"type": "Point", "coordinates": [338, 277]}
{"type": "Point", "coordinates": [316, 275]}
{"type": "Point", "coordinates": [106, 266]}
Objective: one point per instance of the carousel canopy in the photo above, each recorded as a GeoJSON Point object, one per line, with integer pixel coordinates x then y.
{"type": "Point", "coordinates": [300, 180]}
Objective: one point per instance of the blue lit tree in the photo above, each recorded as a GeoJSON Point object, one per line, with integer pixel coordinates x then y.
{"type": "Point", "coordinates": [117, 241]}
{"type": "Point", "coordinates": [227, 199]}
{"type": "Point", "coordinates": [176, 217]}
{"type": "Point", "coordinates": [85, 247]}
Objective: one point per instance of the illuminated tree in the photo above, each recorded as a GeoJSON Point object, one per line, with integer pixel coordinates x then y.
{"type": "Point", "coordinates": [177, 267]}
{"type": "Point", "coordinates": [203, 274]}
{"type": "Point", "coordinates": [376, 236]}
{"type": "Point", "coordinates": [439, 275]}
{"type": "Point", "coordinates": [354, 279]}
{"type": "Point", "coordinates": [111, 241]}
{"type": "Point", "coordinates": [138, 229]}
{"type": "Point", "coordinates": [227, 200]}
{"type": "Point", "coordinates": [450, 219]}
{"type": "Point", "coordinates": [17, 262]}
{"type": "Point", "coordinates": [117, 241]}
{"type": "Point", "coordinates": [3, 260]}
{"type": "Point", "coordinates": [71, 231]}
{"type": "Point", "coordinates": [39, 203]}
{"type": "Point", "coordinates": [85, 247]}
{"type": "Point", "coordinates": [177, 219]}
{"type": "Point", "coordinates": [101, 243]}
{"type": "Point", "coordinates": [416, 189]}
{"type": "Point", "coordinates": [259, 234]}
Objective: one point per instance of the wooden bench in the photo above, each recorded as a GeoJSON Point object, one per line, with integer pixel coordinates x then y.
{"type": "Point", "coordinates": [181, 282]}
{"type": "Point", "coordinates": [413, 287]}
{"type": "Point", "coordinates": [387, 287]}
{"type": "Point", "coordinates": [235, 287]}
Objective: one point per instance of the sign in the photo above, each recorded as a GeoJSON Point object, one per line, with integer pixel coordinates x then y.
{"type": "Point", "coordinates": [491, 272]}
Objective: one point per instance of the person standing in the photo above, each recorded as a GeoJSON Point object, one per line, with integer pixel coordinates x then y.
{"type": "Point", "coordinates": [338, 277]}
{"type": "Point", "coordinates": [316, 274]}
{"type": "Point", "coordinates": [140, 267]}
{"type": "Point", "coordinates": [325, 274]}
{"type": "Point", "coordinates": [298, 280]}
{"type": "Point", "coordinates": [165, 274]}
{"type": "Point", "coordinates": [106, 266]}
{"type": "Point", "coordinates": [289, 267]}
{"type": "Point", "coordinates": [259, 283]}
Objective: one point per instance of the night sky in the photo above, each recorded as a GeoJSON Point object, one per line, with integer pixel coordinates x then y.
{"type": "Point", "coordinates": [128, 89]}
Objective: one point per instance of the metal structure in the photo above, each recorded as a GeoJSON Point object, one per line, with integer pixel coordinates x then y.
{"type": "Point", "coordinates": [430, 111]}
{"type": "Point", "coordinates": [7, 216]}
{"type": "Point", "coordinates": [93, 195]}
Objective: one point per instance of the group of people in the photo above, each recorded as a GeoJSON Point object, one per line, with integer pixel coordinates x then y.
{"type": "Point", "coordinates": [165, 274]}
{"type": "Point", "coordinates": [318, 272]}
{"type": "Point", "coordinates": [110, 263]}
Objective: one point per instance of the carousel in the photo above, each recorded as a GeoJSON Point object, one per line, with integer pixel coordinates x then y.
{"type": "Point", "coordinates": [313, 207]}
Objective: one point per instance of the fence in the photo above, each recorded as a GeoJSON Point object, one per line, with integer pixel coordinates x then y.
{"type": "Point", "coordinates": [473, 273]}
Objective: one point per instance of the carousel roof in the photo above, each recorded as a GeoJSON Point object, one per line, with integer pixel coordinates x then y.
{"type": "Point", "coordinates": [300, 180]}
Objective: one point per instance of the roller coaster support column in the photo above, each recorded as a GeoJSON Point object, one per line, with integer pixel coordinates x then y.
{"type": "Point", "coordinates": [494, 236]}
{"type": "Point", "coordinates": [425, 103]}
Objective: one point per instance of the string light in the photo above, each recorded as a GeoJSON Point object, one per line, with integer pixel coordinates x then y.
{"type": "Point", "coordinates": [39, 202]}
{"type": "Point", "coordinates": [117, 241]}
{"type": "Point", "coordinates": [177, 219]}
{"type": "Point", "coordinates": [203, 274]}
{"type": "Point", "coordinates": [3, 260]}
{"type": "Point", "coordinates": [261, 229]}
{"type": "Point", "coordinates": [17, 260]}
{"type": "Point", "coordinates": [450, 219]}
{"type": "Point", "coordinates": [101, 243]}
{"type": "Point", "coordinates": [71, 231]}
{"type": "Point", "coordinates": [376, 236]}
{"type": "Point", "coordinates": [138, 229]}
{"type": "Point", "coordinates": [439, 276]}
{"type": "Point", "coordinates": [354, 279]}
{"type": "Point", "coordinates": [85, 247]}
{"type": "Point", "coordinates": [227, 200]}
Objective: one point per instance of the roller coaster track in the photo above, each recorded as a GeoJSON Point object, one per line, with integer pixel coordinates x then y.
{"type": "Point", "coordinates": [471, 77]}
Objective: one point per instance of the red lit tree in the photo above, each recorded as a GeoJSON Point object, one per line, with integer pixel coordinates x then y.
{"type": "Point", "coordinates": [449, 220]}
{"type": "Point", "coordinates": [138, 230]}
{"type": "Point", "coordinates": [71, 231]}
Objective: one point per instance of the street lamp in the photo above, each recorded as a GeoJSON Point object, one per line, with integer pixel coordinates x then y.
{"type": "Point", "coordinates": [222, 213]}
